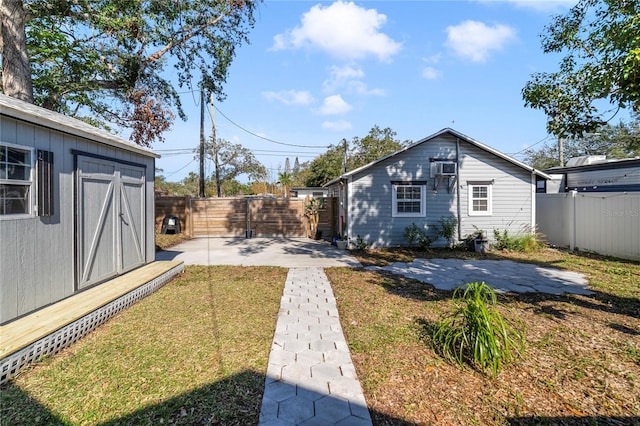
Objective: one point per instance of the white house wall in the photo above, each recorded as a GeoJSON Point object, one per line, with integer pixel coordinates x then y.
{"type": "Point", "coordinates": [37, 253]}
{"type": "Point", "coordinates": [370, 207]}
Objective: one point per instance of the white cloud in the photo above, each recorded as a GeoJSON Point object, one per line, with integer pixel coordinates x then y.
{"type": "Point", "coordinates": [348, 78]}
{"type": "Point", "coordinates": [343, 30]}
{"type": "Point", "coordinates": [430, 73]}
{"type": "Point", "coordinates": [337, 126]}
{"type": "Point", "coordinates": [290, 97]}
{"type": "Point", "coordinates": [475, 40]}
{"type": "Point", "coordinates": [333, 105]}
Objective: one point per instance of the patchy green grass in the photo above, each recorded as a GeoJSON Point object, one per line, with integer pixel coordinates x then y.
{"type": "Point", "coordinates": [165, 241]}
{"type": "Point", "coordinates": [195, 352]}
{"type": "Point", "coordinates": [580, 364]}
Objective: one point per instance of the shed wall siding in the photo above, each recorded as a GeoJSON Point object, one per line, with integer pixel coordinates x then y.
{"type": "Point", "coordinates": [370, 207]}
{"type": "Point", "coordinates": [37, 253]}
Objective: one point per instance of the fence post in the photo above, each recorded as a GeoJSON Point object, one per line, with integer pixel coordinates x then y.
{"type": "Point", "coordinates": [573, 215]}
{"type": "Point", "coordinates": [189, 215]}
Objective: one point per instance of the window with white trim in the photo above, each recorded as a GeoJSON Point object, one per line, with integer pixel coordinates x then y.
{"type": "Point", "coordinates": [479, 199]}
{"type": "Point", "coordinates": [408, 200]}
{"type": "Point", "coordinates": [16, 180]}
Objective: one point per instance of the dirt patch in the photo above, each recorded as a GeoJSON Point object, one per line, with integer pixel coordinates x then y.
{"type": "Point", "coordinates": [581, 364]}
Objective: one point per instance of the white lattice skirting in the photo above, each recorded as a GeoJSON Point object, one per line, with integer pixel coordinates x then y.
{"type": "Point", "coordinates": [67, 335]}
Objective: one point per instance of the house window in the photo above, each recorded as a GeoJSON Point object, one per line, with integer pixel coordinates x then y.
{"type": "Point", "coordinates": [408, 200]}
{"type": "Point", "coordinates": [479, 199]}
{"type": "Point", "coordinates": [16, 180]}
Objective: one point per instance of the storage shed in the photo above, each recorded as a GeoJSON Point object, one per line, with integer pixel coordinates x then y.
{"type": "Point", "coordinates": [76, 207]}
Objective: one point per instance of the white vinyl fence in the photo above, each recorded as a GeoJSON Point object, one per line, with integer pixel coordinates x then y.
{"type": "Point", "coordinates": [603, 222]}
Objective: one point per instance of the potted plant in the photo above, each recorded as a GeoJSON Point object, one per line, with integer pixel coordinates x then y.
{"type": "Point", "coordinates": [342, 242]}
{"type": "Point", "coordinates": [481, 243]}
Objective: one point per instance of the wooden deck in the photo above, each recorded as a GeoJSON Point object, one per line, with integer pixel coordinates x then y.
{"type": "Point", "coordinates": [22, 332]}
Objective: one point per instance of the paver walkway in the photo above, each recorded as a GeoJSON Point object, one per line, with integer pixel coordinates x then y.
{"type": "Point", "coordinates": [310, 378]}
{"type": "Point", "coordinates": [501, 275]}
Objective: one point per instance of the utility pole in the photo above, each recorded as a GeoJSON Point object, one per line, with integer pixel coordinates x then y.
{"type": "Point", "coordinates": [344, 141]}
{"type": "Point", "coordinates": [201, 182]}
{"type": "Point", "coordinates": [216, 163]}
{"type": "Point", "coordinates": [561, 151]}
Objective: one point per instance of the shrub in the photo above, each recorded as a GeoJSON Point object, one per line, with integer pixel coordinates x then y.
{"type": "Point", "coordinates": [526, 242]}
{"type": "Point", "coordinates": [359, 243]}
{"type": "Point", "coordinates": [417, 237]}
{"type": "Point", "coordinates": [475, 331]}
{"type": "Point", "coordinates": [448, 227]}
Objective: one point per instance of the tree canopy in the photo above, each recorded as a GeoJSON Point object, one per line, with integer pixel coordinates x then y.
{"type": "Point", "coordinates": [619, 141]}
{"type": "Point", "coordinates": [107, 61]}
{"type": "Point", "coordinates": [328, 166]}
{"type": "Point", "coordinates": [601, 43]}
{"type": "Point", "coordinates": [232, 160]}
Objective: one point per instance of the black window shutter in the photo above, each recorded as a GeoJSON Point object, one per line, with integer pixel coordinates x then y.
{"type": "Point", "coordinates": [45, 183]}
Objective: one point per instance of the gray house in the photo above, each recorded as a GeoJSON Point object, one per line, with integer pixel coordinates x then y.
{"type": "Point", "coordinates": [444, 175]}
{"type": "Point", "coordinates": [76, 207]}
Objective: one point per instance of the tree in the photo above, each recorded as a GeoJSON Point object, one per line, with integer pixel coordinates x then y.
{"type": "Point", "coordinates": [601, 40]}
{"type": "Point", "coordinates": [232, 160]}
{"type": "Point", "coordinates": [619, 141]}
{"type": "Point", "coordinates": [232, 188]}
{"type": "Point", "coordinates": [324, 167]}
{"type": "Point", "coordinates": [16, 73]}
{"type": "Point", "coordinates": [330, 165]}
{"type": "Point", "coordinates": [104, 60]}
{"type": "Point", "coordinates": [377, 144]}
{"type": "Point", "coordinates": [285, 179]}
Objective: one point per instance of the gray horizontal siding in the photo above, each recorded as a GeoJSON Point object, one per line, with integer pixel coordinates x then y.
{"type": "Point", "coordinates": [511, 192]}
{"type": "Point", "coordinates": [37, 253]}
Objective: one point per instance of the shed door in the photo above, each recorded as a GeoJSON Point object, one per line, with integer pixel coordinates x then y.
{"type": "Point", "coordinates": [110, 218]}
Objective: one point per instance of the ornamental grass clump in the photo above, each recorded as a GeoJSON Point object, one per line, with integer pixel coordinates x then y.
{"type": "Point", "coordinates": [475, 332]}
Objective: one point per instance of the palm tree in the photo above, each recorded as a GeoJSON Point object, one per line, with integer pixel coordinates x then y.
{"type": "Point", "coordinates": [285, 179]}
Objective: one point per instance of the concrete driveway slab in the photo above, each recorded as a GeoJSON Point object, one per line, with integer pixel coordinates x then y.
{"type": "Point", "coordinates": [284, 252]}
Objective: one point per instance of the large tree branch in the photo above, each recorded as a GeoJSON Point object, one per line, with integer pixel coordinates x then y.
{"type": "Point", "coordinates": [188, 35]}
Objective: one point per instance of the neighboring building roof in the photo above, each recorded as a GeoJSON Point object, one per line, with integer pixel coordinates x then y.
{"type": "Point", "coordinates": [25, 111]}
{"type": "Point", "coordinates": [438, 134]}
{"type": "Point", "coordinates": [599, 165]}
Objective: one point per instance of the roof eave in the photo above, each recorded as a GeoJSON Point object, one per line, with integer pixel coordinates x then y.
{"type": "Point", "coordinates": [24, 111]}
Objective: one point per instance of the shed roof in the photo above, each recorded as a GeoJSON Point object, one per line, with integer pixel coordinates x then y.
{"type": "Point", "coordinates": [25, 111]}
{"type": "Point", "coordinates": [456, 134]}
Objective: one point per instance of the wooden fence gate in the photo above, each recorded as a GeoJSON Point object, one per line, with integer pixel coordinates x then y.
{"type": "Point", "coordinates": [244, 217]}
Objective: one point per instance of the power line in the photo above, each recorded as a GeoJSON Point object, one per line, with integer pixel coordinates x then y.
{"type": "Point", "coordinates": [530, 146]}
{"type": "Point", "coordinates": [262, 137]}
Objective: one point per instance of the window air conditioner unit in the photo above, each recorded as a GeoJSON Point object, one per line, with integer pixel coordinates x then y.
{"type": "Point", "coordinates": [445, 169]}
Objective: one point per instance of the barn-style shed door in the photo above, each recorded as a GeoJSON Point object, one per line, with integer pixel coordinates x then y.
{"type": "Point", "coordinates": [109, 217]}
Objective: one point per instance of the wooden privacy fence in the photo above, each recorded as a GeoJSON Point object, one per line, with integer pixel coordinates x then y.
{"type": "Point", "coordinates": [607, 222]}
{"type": "Point", "coordinates": [245, 217]}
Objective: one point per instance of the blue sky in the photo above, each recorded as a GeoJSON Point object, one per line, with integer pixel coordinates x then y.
{"type": "Point", "coordinates": [320, 71]}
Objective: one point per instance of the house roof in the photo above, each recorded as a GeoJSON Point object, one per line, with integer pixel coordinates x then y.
{"type": "Point", "coordinates": [438, 134]}
{"type": "Point", "coordinates": [25, 111]}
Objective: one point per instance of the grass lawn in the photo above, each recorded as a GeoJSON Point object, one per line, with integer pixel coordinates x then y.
{"type": "Point", "coordinates": [194, 352]}
{"type": "Point", "coordinates": [581, 363]}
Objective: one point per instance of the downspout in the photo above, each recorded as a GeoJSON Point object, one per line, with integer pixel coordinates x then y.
{"type": "Point", "coordinates": [533, 202]}
{"type": "Point", "coordinates": [458, 190]}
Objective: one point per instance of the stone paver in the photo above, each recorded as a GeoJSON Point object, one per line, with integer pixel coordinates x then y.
{"type": "Point", "coordinates": [310, 377]}
{"type": "Point", "coordinates": [502, 275]}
